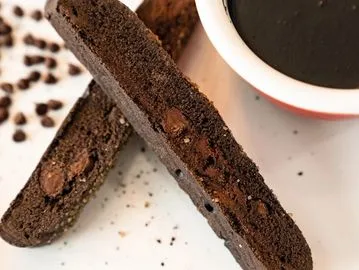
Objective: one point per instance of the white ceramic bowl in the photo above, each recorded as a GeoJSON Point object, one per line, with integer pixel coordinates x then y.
{"type": "Point", "coordinates": [283, 90]}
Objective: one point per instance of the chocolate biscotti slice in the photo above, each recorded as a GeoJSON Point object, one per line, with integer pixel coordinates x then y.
{"type": "Point", "coordinates": [41, 212]}
{"type": "Point", "coordinates": [184, 129]}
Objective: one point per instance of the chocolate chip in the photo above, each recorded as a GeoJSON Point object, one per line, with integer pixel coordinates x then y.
{"type": "Point", "coordinates": [40, 43]}
{"type": "Point", "coordinates": [18, 11]}
{"type": "Point", "coordinates": [5, 102]}
{"type": "Point", "coordinates": [81, 164]}
{"type": "Point", "coordinates": [174, 122]}
{"type": "Point", "coordinates": [5, 29]}
{"type": "Point", "coordinates": [37, 15]}
{"type": "Point", "coordinates": [27, 60]}
{"type": "Point", "coordinates": [41, 109]}
{"type": "Point", "coordinates": [23, 84]}
{"type": "Point", "coordinates": [19, 136]}
{"type": "Point", "coordinates": [20, 119]}
{"type": "Point", "coordinates": [4, 114]}
{"type": "Point", "coordinates": [54, 104]}
{"type": "Point", "coordinates": [34, 76]}
{"type": "Point", "coordinates": [7, 87]}
{"type": "Point", "coordinates": [50, 62]}
{"type": "Point", "coordinates": [53, 47]}
{"type": "Point", "coordinates": [50, 79]}
{"type": "Point", "coordinates": [47, 122]}
{"type": "Point", "coordinates": [74, 70]}
{"type": "Point", "coordinates": [8, 41]}
{"type": "Point", "coordinates": [29, 39]}
{"type": "Point", "coordinates": [52, 180]}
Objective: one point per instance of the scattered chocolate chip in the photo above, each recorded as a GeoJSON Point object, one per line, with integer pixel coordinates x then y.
{"type": "Point", "coordinates": [5, 29]}
{"type": "Point", "coordinates": [50, 79]}
{"type": "Point", "coordinates": [300, 173]}
{"type": "Point", "coordinates": [162, 264]}
{"type": "Point", "coordinates": [29, 39]}
{"type": "Point", "coordinates": [5, 101]}
{"type": "Point", "coordinates": [50, 62]}
{"type": "Point", "coordinates": [37, 15]}
{"type": "Point", "coordinates": [54, 104]}
{"type": "Point", "coordinates": [41, 109]}
{"type": "Point", "coordinates": [159, 241]}
{"type": "Point", "coordinates": [23, 84]}
{"type": "Point", "coordinates": [18, 11]}
{"type": "Point", "coordinates": [53, 47]}
{"type": "Point", "coordinates": [47, 122]}
{"type": "Point", "coordinates": [27, 60]}
{"type": "Point", "coordinates": [19, 136]}
{"type": "Point", "coordinates": [74, 70]}
{"type": "Point", "coordinates": [4, 115]}
{"type": "Point", "coordinates": [7, 87]}
{"type": "Point", "coordinates": [8, 41]}
{"type": "Point", "coordinates": [34, 76]}
{"type": "Point", "coordinates": [40, 43]}
{"type": "Point", "coordinates": [20, 119]}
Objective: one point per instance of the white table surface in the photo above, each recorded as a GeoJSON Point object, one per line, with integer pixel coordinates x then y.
{"type": "Point", "coordinates": [117, 231]}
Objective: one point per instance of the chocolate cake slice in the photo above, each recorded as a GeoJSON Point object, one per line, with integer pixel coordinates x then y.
{"type": "Point", "coordinates": [184, 129]}
{"type": "Point", "coordinates": [81, 154]}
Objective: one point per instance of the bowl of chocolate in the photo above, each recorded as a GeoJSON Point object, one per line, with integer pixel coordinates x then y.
{"type": "Point", "coordinates": [301, 54]}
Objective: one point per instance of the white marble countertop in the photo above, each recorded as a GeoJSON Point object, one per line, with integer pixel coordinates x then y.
{"type": "Point", "coordinates": [117, 231]}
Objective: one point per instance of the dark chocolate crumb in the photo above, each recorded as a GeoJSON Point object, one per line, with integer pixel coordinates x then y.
{"type": "Point", "coordinates": [50, 62]}
{"type": "Point", "coordinates": [143, 149]}
{"type": "Point", "coordinates": [74, 70]}
{"type": "Point", "coordinates": [5, 101]}
{"type": "Point", "coordinates": [47, 122]}
{"type": "Point", "coordinates": [23, 84]}
{"type": "Point", "coordinates": [54, 104]}
{"type": "Point", "coordinates": [295, 132]}
{"type": "Point", "coordinates": [34, 76]}
{"type": "Point", "coordinates": [155, 170]}
{"type": "Point", "coordinates": [18, 11]}
{"type": "Point", "coordinates": [41, 109]}
{"type": "Point", "coordinates": [20, 119]}
{"type": "Point", "coordinates": [29, 39]}
{"type": "Point", "coordinates": [147, 204]}
{"type": "Point", "coordinates": [50, 79]}
{"type": "Point", "coordinates": [159, 241]}
{"type": "Point", "coordinates": [37, 15]}
{"type": "Point", "coordinates": [27, 60]}
{"type": "Point", "coordinates": [53, 47]}
{"type": "Point", "coordinates": [7, 87]}
{"type": "Point", "coordinates": [162, 264]}
{"type": "Point", "coordinates": [258, 97]}
{"type": "Point", "coordinates": [150, 194]}
{"type": "Point", "coordinates": [4, 115]}
{"type": "Point", "coordinates": [300, 173]}
{"type": "Point", "coordinates": [19, 136]}
{"type": "Point", "coordinates": [138, 176]}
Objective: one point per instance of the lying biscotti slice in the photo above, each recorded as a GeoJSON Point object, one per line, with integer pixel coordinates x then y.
{"type": "Point", "coordinates": [184, 129]}
{"type": "Point", "coordinates": [55, 195]}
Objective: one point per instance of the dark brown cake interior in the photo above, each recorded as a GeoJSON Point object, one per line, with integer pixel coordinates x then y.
{"type": "Point", "coordinates": [155, 96]}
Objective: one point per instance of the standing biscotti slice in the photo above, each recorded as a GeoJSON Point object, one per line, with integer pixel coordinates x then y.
{"type": "Point", "coordinates": [184, 129]}
{"type": "Point", "coordinates": [54, 196]}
